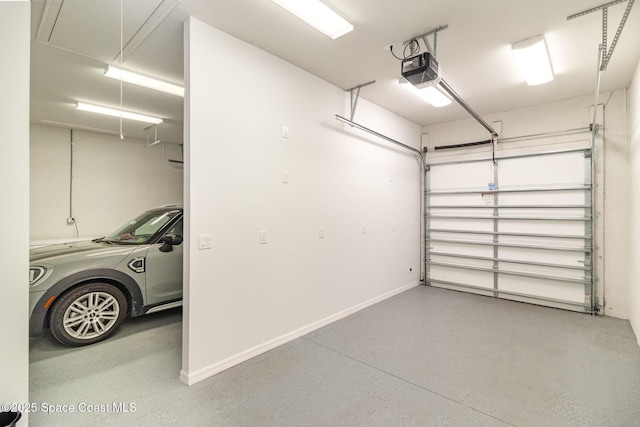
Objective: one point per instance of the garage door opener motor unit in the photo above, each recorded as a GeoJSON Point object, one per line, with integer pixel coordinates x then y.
{"type": "Point", "coordinates": [421, 70]}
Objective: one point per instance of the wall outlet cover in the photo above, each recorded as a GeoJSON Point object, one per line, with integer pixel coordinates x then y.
{"type": "Point", "coordinates": [205, 241]}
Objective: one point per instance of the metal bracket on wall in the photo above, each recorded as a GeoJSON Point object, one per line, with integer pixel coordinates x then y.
{"type": "Point", "coordinates": [425, 39]}
{"type": "Point", "coordinates": [355, 94]}
{"type": "Point", "coordinates": [606, 56]}
{"type": "Point", "coordinates": [180, 162]}
{"type": "Point", "coordinates": [155, 135]}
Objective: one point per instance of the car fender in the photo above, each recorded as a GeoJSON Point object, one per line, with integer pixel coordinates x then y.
{"type": "Point", "coordinates": [126, 283]}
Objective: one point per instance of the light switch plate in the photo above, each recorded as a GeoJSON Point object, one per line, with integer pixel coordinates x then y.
{"type": "Point", "coordinates": [204, 241]}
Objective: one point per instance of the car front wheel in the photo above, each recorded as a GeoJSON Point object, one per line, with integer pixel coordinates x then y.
{"type": "Point", "coordinates": [88, 314]}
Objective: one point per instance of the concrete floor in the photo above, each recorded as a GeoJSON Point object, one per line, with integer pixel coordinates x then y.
{"type": "Point", "coordinates": [425, 357]}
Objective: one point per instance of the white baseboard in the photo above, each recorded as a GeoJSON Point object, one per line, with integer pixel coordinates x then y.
{"type": "Point", "coordinates": [190, 378]}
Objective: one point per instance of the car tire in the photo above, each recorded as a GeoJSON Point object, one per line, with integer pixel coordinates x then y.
{"type": "Point", "coordinates": [87, 314]}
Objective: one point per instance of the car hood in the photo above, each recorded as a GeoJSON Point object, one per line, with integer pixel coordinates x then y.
{"type": "Point", "coordinates": [83, 249]}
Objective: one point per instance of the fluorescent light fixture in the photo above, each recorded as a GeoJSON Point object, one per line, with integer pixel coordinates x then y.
{"type": "Point", "coordinates": [118, 113]}
{"type": "Point", "coordinates": [140, 80]}
{"type": "Point", "coordinates": [533, 59]}
{"type": "Point", "coordinates": [79, 127]}
{"type": "Point", "coordinates": [432, 94]}
{"type": "Point", "coordinates": [318, 15]}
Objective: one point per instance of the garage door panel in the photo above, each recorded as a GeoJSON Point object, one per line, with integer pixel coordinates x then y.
{"type": "Point", "coordinates": [555, 242]}
{"type": "Point", "coordinates": [541, 257]}
{"type": "Point", "coordinates": [462, 249]}
{"type": "Point", "coordinates": [557, 228]}
{"type": "Point", "coordinates": [565, 291]}
{"type": "Point", "coordinates": [528, 239]}
{"type": "Point", "coordinates": [458, 176]}
{"type": "Point", "coordinates": [467, 289]}
{"type": "Point", "coordinates": [571, 274]}
{"type": "Point", "coordinates": [555, 197]}
{"type": "Point", "coordinates": [469, 211]}
{"type": "Point", "coordinates": [461, 224]}
{"type": "Point", "coordinates": [560, 212]}
{"type": "Point", "coordinates": [458, 275]}
{"type": "Point", "coordinates": [542, 301]}
{"type": "Point", "coordinates": [463, 262]}
{"type": "Point", "coordinates": [473, 199]}
{"type": "Point", "coordinates": [549, 170]}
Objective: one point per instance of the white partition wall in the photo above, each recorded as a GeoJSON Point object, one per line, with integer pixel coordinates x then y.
{"type": "Point", "coordinates": [634, 239]}
{"type": "Point", "coordinates": [15, 18]}
{"type": "Point", "coordinates": [306, 219]}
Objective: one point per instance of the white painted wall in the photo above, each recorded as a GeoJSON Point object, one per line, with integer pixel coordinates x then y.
{"type": "Point", "coordinates": [613, 173]}
{"type": "Point", "coordinates": [113, 181]}
{"type": "Point", "coordinates": [617, 176]}
{"type": "Point", "coordinates": [634, 223]}
{"type": "Point", "coordinates": [15, 23]}
{"type": "Point", "coordinates": [243, 297]}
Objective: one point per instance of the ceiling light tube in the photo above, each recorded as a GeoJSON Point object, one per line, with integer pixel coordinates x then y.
{"type": "Point", "coordinates": [318, 15]}
{"type": "Point", "coordinates": [141, 80]}
{"type": "Point", "coordinates": [432, 94]}
{"type": "Point", "coordinates": [83, 106]}
{"type": "Point", "coordinates": [533, 59]}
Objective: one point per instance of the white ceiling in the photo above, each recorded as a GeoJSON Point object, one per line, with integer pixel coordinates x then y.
{"type": "Point", "coordinates": [74, 40]}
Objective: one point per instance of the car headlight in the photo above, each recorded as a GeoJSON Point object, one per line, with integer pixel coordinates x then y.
{"type": "Point", "coordinates": [35, 274]}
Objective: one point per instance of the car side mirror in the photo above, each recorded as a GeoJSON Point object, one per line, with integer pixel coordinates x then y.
{"type": "Point", "coordinates": [168, 241]}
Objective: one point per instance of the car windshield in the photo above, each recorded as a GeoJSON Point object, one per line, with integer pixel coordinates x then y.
{"type": "Point", "coordinates": [141, 229]}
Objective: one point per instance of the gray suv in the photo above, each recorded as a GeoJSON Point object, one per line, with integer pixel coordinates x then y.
{"type": "Point", "coordinates": [82, 291]}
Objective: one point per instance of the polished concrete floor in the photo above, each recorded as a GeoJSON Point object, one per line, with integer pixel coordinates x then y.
{"type": "Point", "coordinates": [426, 357]}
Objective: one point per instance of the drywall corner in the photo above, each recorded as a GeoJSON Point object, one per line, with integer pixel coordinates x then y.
{"type": "Point", "coordinates": [633, 132]}
{"type": "Point", "coordinates": [15, 24]}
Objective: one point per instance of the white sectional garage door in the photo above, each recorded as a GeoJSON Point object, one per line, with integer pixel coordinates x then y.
{"type": "Point", "coordinates": [518, 227]}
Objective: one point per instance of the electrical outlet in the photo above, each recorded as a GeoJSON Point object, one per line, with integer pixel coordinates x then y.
{"type": "Point", "coordinates": [285, 177]}
{"type": "Point", "coordinates": [71, 220]}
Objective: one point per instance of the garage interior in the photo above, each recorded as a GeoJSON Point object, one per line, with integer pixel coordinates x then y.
{"type": "Point", "coordinates": [406, 264]}
{"type": "Point", "coordinates": [428, 356]}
